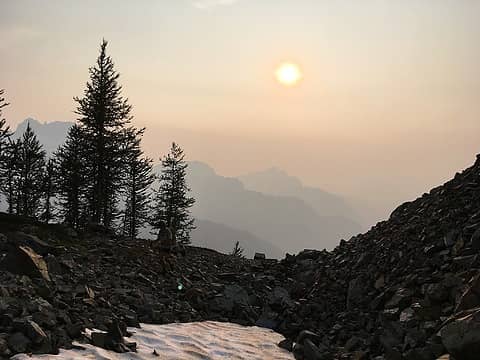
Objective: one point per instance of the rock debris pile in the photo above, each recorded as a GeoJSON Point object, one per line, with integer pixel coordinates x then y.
{"type": "Point", "coordinates": [409, 289]}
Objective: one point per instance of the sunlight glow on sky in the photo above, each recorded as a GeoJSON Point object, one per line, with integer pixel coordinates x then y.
{"type": "Point", "coordinates": [288, 74]}
{"type": "Point", "coordinates": [393, 86]}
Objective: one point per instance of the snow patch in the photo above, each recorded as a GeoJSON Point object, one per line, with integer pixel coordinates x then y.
{"type": "Point", "coordinates": [188, 341]}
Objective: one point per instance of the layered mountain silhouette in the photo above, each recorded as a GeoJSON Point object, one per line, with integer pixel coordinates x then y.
{"type": "Point", "coordinates": [269, 211]}
{"type": "Point", "coordinates": [286, 221]}
{"type": "Point", "coordinates": [275, 181]}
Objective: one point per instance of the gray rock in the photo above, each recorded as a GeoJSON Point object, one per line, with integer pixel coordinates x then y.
{"type": "Point", "coordinates": [310, 335]}
{"type": "Point", "coordinates": [437, 292]}
{"type": "Point", "coordinates": [23, 260]}
{"type": "Point", "coordinates": [33, 242]}
{"type": "Point", "coordinates": [311, 351]}
{"type": "Point", "coordinates": [18, 342]}
{"type": "Point", "coordinates": [4, 350]}
{"type": "Point", "coordinates": [471, 296]}
{"type": "Point", "coordinates": [475, 240]}
{"type": "Point", "coordinates": [401, 299]}
{"type": "Point", "coordinates": [269, 319]}
{"type": "Point", "coordinates": [234, 295]}
{"type": "Point", "coordinates": [286, 344]}
{"type": "Point", "coordinates": [280, 296]}
{"type": "Point", "coordinates": [35, 332]}
{"type": "Point", "coordinates": [356, 290]}
{"type": "Point", "coordinates": [99, 339]}
{"type": "Point", "coordinates": [259, 256]}
{"type": "Point", "coordinates": [461, 337]}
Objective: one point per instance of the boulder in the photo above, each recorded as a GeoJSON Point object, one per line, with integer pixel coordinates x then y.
{"type": "Point", "coordinates": [18, 342]}
{"type": "Point", "coordinates": [233, 295]}
{"type": "Point", "coordinates": [259, 256]}
{"type": "Point", "coordinates": [437, 292]}
{"type": "Point", "coordinates": [23, 260]}
{"type": "Point", "coordinates": [311, 351]}
{"type": "Point", "coordinates": [461, 336]}
{"type": "Point", "coordinates": [4, 350]}
{"type": "Point", "coordinates": [35, 332]}
{"type": "Point", "coordinates": [268, 319]}
{"type": "Point", "coordinates": [113, 339]}
{"type": "Point", "coordinates": [356, 290]}
{"type": "Point", "coordinates": [286, 344]}
{"type": "Point", "coordinates": [401, 299]}
{"type": "Point", "coordinates": [33, 242]}
{"type": "Point", "coordinates": [310, 335]}
{"type": "Point", "coordinates": [471, 296]}
{"type": "Point", "coordinates": [279, 297]}
{"type": "Point", "coordinates": [475, 240]}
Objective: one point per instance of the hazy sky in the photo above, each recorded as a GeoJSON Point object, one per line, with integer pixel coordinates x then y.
{"type": "Point", "coordinates": [388, 107]}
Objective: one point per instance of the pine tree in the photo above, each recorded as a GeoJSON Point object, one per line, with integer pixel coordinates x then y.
{"type": "Point", "coordinates": [172, 204]}
{"type": "Point", "coordinates": [137, 183]}
{"type": "Point", "coordinates": [11, 174]}
{"type": "Point", "coordinates": [70, 179]}
{"type": "Point", "coordinates": [31, 163]}
{"type": "Point", "coordinates": [237, 251]}
{"type": "Point", "coordinates": [4, 142]}
{"type": "Point", "coordinates": [48, 191]}
{"type": "Point", "coordinates": [104, 114]}
{"type": "Point", "coordinates": [4, 128]}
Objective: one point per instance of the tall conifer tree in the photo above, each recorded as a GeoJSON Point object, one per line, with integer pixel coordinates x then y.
{"type": "Point", "coordinates": [70, 178]}
{"type": "Point", "coordinates": [11, 174]}
{"type": "Point", "coordinates": [4, 128]}
{"type": "Point", "coordinates": [31, 162]}
{"type": "Point", "coordinates": [4, 142]}
{"type": "Point", "coordinates": [137, 181]}
{"type": "Point", "coordinates": [104, 114]}
{"type": "Point", "coordinates": [172, 203]}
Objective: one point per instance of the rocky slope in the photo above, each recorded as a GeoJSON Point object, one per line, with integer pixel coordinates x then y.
{"type": "Point", "coordinates": [54, 283]}
{"type": "Point", "coordinates": [400, 290]}
{"type": "Point", "coordinates": [407, 289]}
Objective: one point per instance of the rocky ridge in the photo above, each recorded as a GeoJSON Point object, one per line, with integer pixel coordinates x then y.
{"type": "Point", "coordinates": [407, 289]}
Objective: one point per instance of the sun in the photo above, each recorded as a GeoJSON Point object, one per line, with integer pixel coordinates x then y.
{"type": "Point", "coordinates": [288, 74]}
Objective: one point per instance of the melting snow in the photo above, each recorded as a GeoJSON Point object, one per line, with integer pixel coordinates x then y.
{"type": "Point", "coordinates": [189, 341]}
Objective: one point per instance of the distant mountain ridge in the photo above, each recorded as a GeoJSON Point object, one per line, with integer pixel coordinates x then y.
{"type": "Point", "coordinates": [275, 181]}
{"type": "Point", "coordinates": [286, 221]}
{"type": "Point", "coordinates": [273, 212]}
{"type": "Point", "coordinates": [51, 134]}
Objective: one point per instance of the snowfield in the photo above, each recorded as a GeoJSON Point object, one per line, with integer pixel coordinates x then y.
{"type": "Point", "coordinates": [188, 341]}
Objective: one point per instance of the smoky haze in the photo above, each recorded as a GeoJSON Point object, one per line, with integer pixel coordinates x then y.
{"type": "Point", "coordinates": [388, 106]}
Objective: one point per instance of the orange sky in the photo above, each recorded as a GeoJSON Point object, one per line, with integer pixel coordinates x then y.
{"type": "Point", "coordinates": [388, 106]}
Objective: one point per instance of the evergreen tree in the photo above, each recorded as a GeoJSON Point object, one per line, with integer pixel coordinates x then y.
{"type": "Point", "coordinates": [104, 114]}
{"type": "Point", "coordinates": [4, 128]}
{"type": "Point", "coordinates": [48, 191]}
{"type": "Point", "coordinates": [138, 179]}
{"type": "Point", "coordinates": [70, 179]}
{"type": "Point", "coordinates": [31, 163]}
{"type": "Point", "coordinates": [172, 204]}
{"type": "Point", "coordinates": [4, 142]}
{"type": "Point", "coordinates": [11, 175]}
{"type": "Point", "coordinates": [237, 251]}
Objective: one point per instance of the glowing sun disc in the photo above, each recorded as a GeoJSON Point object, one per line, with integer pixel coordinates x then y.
{"type": "Point", "coordinates": [288, 74]}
